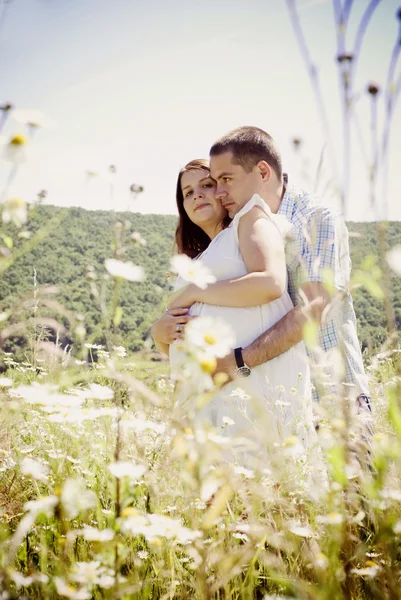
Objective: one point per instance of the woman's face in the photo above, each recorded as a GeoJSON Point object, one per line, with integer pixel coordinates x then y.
{"type": "Point", "coordinates": [200, 204]}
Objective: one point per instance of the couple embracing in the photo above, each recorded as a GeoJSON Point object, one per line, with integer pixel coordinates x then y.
{"type": "Point", "coordinates": [235, 214]}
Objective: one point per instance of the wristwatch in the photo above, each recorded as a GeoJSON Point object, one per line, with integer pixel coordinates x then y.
{"type": "Point", "coordinates": [242, 369]}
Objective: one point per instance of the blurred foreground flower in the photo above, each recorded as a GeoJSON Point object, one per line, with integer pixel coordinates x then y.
{"type": "Point", "coordinates": [15, 210]}
{"type": "Point", "coordinates": [32, 118]}
{"type": "Point", "coordinates": [124, 270]}
{"type": "Point", "coordinates": [210, 336]}
{"type": "Point", "coordinates": [14, 148]}
{"type": "Point", "coordinates": [394, 259]}
{"type": "Point", "coordinates": [136, 189]}
{"type": "Point", "coordinates": [35, 469]}
{"type": "Point", "coordinates": [153, 526]}
{"type": "Point", "coordinates": [126, 469]}
{"type": "Point", "coordinates": [137, 239]}
{"type": "Point", "coordinates": [193, 271]}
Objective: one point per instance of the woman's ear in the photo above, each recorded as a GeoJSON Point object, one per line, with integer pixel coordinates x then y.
{"type": "Point", "coordinates": [264, 170]}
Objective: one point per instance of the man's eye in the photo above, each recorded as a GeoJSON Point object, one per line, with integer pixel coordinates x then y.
{"type": "Point", "coordinates": [226, 179]}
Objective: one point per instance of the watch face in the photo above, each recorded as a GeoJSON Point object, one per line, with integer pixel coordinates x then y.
{"type": "Point", "coordinates": [243, 371]}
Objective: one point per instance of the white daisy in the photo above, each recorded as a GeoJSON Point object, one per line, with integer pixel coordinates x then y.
{"type": "Point", "coordinates": [211, 336]}
{"type": "Point", "coordinates": [124, 270]}
{"type": "Point", "coordinates": [126, 469]}
{"type": "Point", "coordinates": [193, 271]}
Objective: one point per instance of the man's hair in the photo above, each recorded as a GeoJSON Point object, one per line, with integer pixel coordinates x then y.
{"type": "Point", "coordinates": [248, 146]}
{"type": "Point", "coordinates": [190, 239]}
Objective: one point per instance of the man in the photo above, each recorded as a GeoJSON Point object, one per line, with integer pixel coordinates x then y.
{"type": "Point", "coordinates": [244, 162]}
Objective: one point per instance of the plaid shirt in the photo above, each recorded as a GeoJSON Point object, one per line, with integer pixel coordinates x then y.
{"type": "Point", "coordinates": [319, 252]}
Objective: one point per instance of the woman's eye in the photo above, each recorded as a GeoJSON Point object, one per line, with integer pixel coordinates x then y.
{"type": "Point", "coordinates": [188, 194]}
{"type": "Point", "coordinates": [208, 185]}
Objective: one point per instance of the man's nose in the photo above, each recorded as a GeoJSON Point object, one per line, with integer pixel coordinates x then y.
{"type": "Point", "coordinates": [220, 192]}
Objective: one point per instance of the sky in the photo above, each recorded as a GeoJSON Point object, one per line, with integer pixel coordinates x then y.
{"type": "Point", "coordinates": [148, 85]}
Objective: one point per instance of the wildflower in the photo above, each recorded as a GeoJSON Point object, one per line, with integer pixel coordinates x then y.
{"type": "Point", "coordinates": [93, 346]}
{"type": "Point", "coordinates": [247, 473]}
{"type": "Point", "coordinates": [92, 573]}
{"type": "Point", "coordinates": [143, 554]}
{"type": "Point", "coordinates": [15, 210]}
{"type": "Point", "coordinates": [35, 469]}
{"type": "Point", "coordinates": [124, 270]}
{"type": "Point", "coordinates": [193, 271]}
{"type": "Point", "coordinates": [100, 392]}
{"type": "Point", "coordinates": [76, 498]}
{"type": "Point", "coordinates": [211, 336]}
{"type": "Point", "coordinates": [241, 536]}
{"type": "Point", "coordinates": [332, 518]}
{"type": "Point", "coordinates": [22, 581]}
{"type": "Point", "coordinates": [153, 526]}
{"type": "Point", "coordinates": [139, 425]}
{"type": "Point", "coordinates": [14, 149]}
{"type": "Point", "coordinates": [394, 259]}
{"type": "Point", "coordinates": [44, 505]}
{"type": "Point", "coordinates": [228, 421]}
{"type": "Point", "coordinates": [69, 591]}
{"type": "Point", "coordinates": [137, 239]}
{"type": "Point", "coordinates": [293, 447]}
{"type": "Point", "coordinates": [370, 570]}
{"type": "Point", "coordinates": [91, 534]}
{"type": "Point", "coordinates": [397, 528]}
{"type": "Point", "coordinates": [5, 382]}
{"type": "Point", "coordinates": [126, 469]}
{"type": "Point", "coordinates": [46, 396]}
{"type": "Point", "coordinates": [240, 393]}
{"type": "Point", "coordinates": [321, 561]}
{"type": "Point", "coordinates": [301, 530]}
{"type": "Point", "coordinates": [32, 118]}
{"type": "Point", "coordinates": [136, 189]}
{"type": "Point", "coordinates": [120, 351]}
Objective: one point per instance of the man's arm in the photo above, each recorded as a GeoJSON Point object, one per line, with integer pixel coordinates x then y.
{"type": "Point", "coordinates": [284, 334]}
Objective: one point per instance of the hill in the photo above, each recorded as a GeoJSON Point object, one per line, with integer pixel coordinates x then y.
{"type": "Point", "coordinates": [78, 238]}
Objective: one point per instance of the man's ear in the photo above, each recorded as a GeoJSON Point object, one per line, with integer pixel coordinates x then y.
{"type": "Point", "coordinates": [264, 169]}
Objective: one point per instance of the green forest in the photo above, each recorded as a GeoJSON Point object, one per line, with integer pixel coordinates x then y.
{"type": "Point", "coordinates": [73, 239]}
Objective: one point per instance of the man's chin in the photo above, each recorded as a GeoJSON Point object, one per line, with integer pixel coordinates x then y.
{"type": "Point", "coordinates": [232, 211]}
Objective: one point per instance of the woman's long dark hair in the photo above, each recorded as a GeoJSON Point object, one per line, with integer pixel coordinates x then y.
{"type": "Point", "coordinates": [189, 238]}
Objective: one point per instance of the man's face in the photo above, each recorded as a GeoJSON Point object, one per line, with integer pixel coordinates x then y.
{"type": "Point", "coordinates": [234, 185]}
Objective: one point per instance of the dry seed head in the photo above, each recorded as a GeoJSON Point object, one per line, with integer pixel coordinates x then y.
{"type": "Point", "coordinates": [344, 58]}
{"type": "Point", "coordinates": [373, 89]}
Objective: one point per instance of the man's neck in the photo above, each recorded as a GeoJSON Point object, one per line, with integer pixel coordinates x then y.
{"type": "Point", "coordinates": [273, 197]}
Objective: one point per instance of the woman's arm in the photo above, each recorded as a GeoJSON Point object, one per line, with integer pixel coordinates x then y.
{"type": "Point", "coordinates": [262, 249]}
{"type": "Point", "coordinates": [164, 330]}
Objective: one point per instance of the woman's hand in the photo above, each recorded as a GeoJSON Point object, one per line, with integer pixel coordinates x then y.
{"type": "Point", "coordinates": [184, 298]}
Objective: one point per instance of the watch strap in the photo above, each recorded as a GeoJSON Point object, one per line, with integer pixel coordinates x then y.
{"type": "Point", "coordinates": [239, 359]}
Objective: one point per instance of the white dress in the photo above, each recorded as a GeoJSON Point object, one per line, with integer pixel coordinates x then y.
{"type": "Point", "coordinates": [275, 401]}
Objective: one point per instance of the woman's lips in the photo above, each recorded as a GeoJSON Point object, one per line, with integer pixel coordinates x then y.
{"type": "Point", "coordinates": [201, 206]}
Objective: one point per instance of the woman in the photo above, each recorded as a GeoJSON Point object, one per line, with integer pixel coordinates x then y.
{"type": "Point", "coordinates": [247, 258]}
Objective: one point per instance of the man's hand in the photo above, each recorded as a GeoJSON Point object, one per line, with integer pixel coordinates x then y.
{"type": "Point", "coordinates": [170, 326]}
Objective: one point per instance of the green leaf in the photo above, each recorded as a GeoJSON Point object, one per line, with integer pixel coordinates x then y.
{"type": "Point", "coordinates": [8, 241]}
{"type": "Point", "coordinates": [117, 316]}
